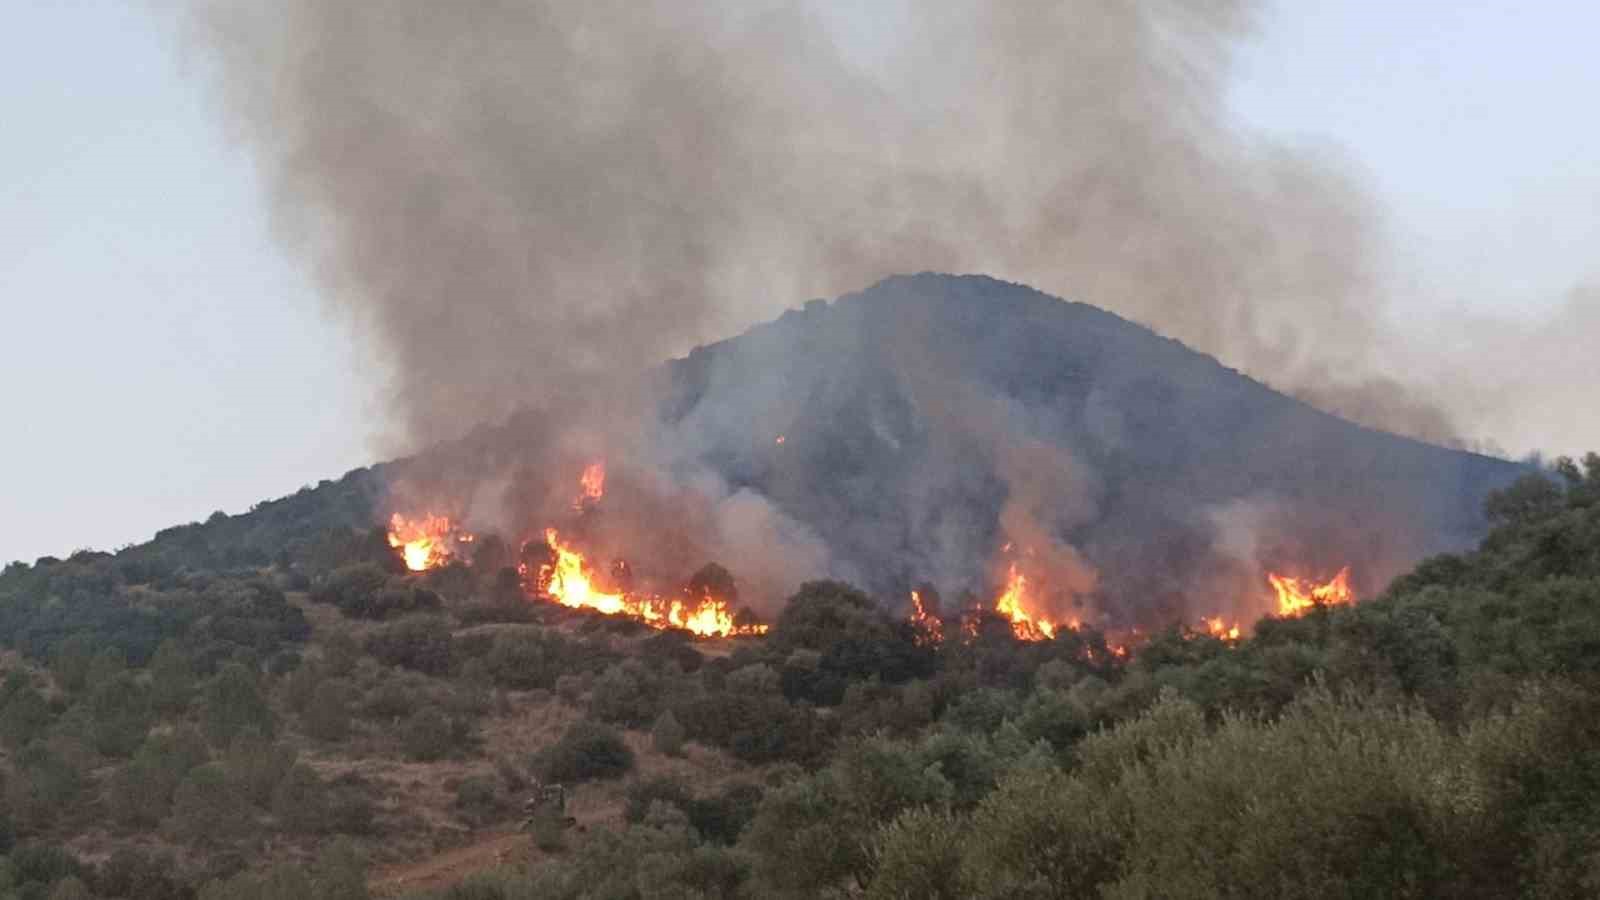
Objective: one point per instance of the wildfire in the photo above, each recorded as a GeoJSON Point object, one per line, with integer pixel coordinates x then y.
{"type": "Point", "coordinates": [1013, 604]}
{"type": "Point", "coordinates": [1217, 628]}
{"type": "Point", "coordinates": [424, 543]}
{"type": "Point", "coordinates": [570, 581]}
{"type": "Point", "coordinates": [1297, 595]}
{"type": "Point", "coordinates": [929, 629]}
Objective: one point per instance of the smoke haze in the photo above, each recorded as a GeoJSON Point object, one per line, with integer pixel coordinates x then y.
{"type": "Point", "coordinates": [512, 200]}
{"type": "Point", "coordinates": [524, 205]}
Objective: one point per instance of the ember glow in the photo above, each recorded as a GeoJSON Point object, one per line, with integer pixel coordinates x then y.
{"type": "Point", "coordinates": [571, 581]}
{"type": "Point", "coordinates": [426, 542]}
{"type": "Point", "coordinates": [929, 630]}
{"type": "Point", "coordinates": [593, 485]}
{"type": "Point", "coordinates": [1297, 595]}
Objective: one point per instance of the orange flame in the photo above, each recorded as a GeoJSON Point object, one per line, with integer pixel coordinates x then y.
{"type": "Point", "coordinates": [570, 582]}
{"type": "Point", "coordinates": [424, 543]}
{"type": "Point", "coordinates": [1217, 628]}
{"type": "Point", "coordinates": [1297, 595]}
{"type": "Point", "coordinates": [1013, 603]}
{"type": "Point", "coordinates": [929, 630]}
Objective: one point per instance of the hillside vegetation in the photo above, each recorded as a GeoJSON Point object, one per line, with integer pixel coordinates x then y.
{"type": "Point", "coordinates": [267, 706]}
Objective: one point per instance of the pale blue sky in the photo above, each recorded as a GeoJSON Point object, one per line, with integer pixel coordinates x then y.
{"type": "Point", "coordinates": [164, 356]}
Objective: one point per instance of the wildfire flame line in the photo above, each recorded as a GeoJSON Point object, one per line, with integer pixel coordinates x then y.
{"type": "Point", "coordinates": [1297, 595]}
{"type": "Point", "coordinates": [570, 582]}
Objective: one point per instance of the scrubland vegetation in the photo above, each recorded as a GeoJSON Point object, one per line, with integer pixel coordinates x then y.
{"type": "Point", "coordinates": [267, 706]}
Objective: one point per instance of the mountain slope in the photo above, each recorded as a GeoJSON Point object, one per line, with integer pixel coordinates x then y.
{"type": "Point", "coordinates": [915, 430]}
{"type": "Point", "coordinates": [916, 413]}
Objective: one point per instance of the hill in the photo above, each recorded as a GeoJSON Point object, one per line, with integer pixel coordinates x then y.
{"type": "Point", "coordinates": [272, 705]}
{"type": "Point", "coordinates": [931, 419]}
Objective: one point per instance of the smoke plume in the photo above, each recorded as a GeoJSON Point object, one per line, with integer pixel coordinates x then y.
{"type": "Point", "coordinates": [518, 200]}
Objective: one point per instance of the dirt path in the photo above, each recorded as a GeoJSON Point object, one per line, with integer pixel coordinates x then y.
{"type": "Point", "coordinates": [449, 867]}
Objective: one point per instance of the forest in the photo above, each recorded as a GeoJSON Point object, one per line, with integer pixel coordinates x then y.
{"type": "Point", "coordinates": [270, 706]}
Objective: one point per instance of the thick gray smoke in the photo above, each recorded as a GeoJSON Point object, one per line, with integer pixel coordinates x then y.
{"type": "Point", "coordinates": [522, 204]}
{"type": "Point", "coordinates": [512, 199]}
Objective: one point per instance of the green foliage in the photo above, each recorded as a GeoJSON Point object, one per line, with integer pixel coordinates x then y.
{"type": "Point", "coordinates": [626, 694]}
{"type": "Point", "coordinates": [422, 644]}
{"type": "Point", "coordinates": [587, 751]}
{"type": "Point", "coordinates": [24, 718]}
{"type": "Point", "coordinates": [830, 819]}
{"type": "Point", "coordinates": [535, 658]}
{"type": "Point", "coordinates": [172, 677]}
{"type": "Point", "coordinates": [918, 855]}
{"type": "Point", "coordinates": [232, 702]}
{"type": "Point", "coordinates": [120, 714]}
{"type": "Point", "coordinates": [49, 779]}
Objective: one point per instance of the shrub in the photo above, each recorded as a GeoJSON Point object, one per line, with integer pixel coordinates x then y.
{"type": "Point", "coordinates": [233, 703]}
{"type": "Point", "coordinates": [327, 715]}
{"type": "Point", "coordinates": [626, 694]}
{"type": "Point", "coordinates": [524, 660]}
{"type": "Point", "coordinates": [351, 588]}
{"type": "Point", "coordinates": [419, 644]}
{"type": "Point", "coordinates": [570, 688]}
{"type": "Point", "coordinates": [132, 874]}
{"type": "Point", "coordinates": [208, 809]}
{"type": "Point", "coordinates": [668, 789]}
{"type": "Point", "coordinates": [254, 765]}
{"type": "Point", "coordinates": [431, 735]}
{"type": "Point", "coordinates": [588, 750]}
{"type": "Point", "coordinates": [479, 801]}
{"type": "Point", "coordinates": [668, 735]}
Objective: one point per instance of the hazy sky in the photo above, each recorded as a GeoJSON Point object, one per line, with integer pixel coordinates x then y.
{"type": "Point", "coordinates": [165, 357]}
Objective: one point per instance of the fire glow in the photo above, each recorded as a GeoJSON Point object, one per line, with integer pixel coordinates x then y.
{"type": "Point", "coordinates": [1015, 604]}
{"type": "Point", "coordinates": [1298, 595]}
{"type": "Point", "coordinates": [927, 628]}
{"type": "Point", "coordinates": [426, 542]}
{"type": "Point", "coordinates": [593, 486]}
{"type": "Point", "coordinates": [570, 581]}
{"type": "Point", "coordinates": [1217, 628]}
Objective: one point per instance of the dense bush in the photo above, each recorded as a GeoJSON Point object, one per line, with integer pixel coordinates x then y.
{"type": "Point", "coordinates": [422, 644]}
{"type": "Point", "coordinates": [587, 750]}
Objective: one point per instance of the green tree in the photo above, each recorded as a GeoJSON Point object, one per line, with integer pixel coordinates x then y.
{"type": "Point", "coordinates": [232, 703]}
{"type": "Point", "coordinates": [587, 750]}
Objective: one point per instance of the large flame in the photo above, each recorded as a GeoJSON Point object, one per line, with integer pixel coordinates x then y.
{"type": "Point", "coordinates": [1297, 595]}
{"type": "Point", "coordinates": [1015, 604]}
{"type": "Point", "coordinates": [426, 542]}
{"type": "Point", "coordinates": [570, 581]}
